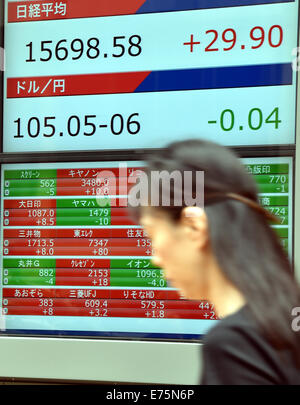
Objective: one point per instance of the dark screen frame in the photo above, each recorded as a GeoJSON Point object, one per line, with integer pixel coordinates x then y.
{"type": "Point", "coordinates": [97, 156]}
{"type": "Point", "coordinates": [1, 74]}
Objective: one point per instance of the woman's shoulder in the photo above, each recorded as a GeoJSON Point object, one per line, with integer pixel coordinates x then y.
{"type": "Point", "coordinates": [235, 348]}
{"type": "Point", "coordinates": [240, 335]}
{"type": "Point", "coordinates": [233, 325]}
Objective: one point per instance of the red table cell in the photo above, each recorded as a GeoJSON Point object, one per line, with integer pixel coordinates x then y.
{"type": "Point", "coordinates": [56, 302]}
{"type": "Point", "coordinates": [122, 221]}
{"type": "Point", "coordinates": [92, 191]}
{"type": "Point", "coordinates": [119, 202]}
{"type": "Point", "coordinates": [78, 272]}
{"type": "Point", "coordinates": [24, 310]}
{"type": "Point", "coordinates": [83, 263]}
{"type": "Point", "coordinates": [84, 233]}
{"type": "Point", "coordinates": [139, 294]}
{"type": "Point", "coordinates": [24, 293]}
{"type": "Point", "coordinates": [77, 311]}
{"type": "Point", "coordinates": [130, 233]}
{"type": "Point", "coordinates": [83, 173]}
{"type": "Point", "coordinates": [83, 281]}
{"type": "Point", "coordinates": [139, 304]}
{"type": "Point", "coordinates": [82, 294]}
{"type": "Point", "coordinates": [43, 221]}
{"type": "Point", "coordinates": [114, 312]}
{"type": "Point", "coordinates": [28, 292]}
{"type": "Point", "coordinates": [183, 305]}
{"type": "Point", "coordinates": [127, 312]}
{"type": "Point", "coordinates": [102, 181]}
{"type": "Point", "coordinates": [174, 295]}
{"type": "Point", "coordinates": [30, 203]}
{"type": "Point", "coordinates": [189, 314]}
{"type": "Point", "coordinates": [27, 302]}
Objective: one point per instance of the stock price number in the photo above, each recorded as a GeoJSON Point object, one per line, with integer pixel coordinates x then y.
{"type": "Point", "coordinates": [256, 120]}
{"type": "Point", "coordinates": [229, 39]}
{"type": "Point", "coordinates": [75, 126]}
{"type": "Point", "coordinates": [76, 49]}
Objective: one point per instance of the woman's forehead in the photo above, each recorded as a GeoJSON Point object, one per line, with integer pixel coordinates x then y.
{"type": "Point", "coordinates": [155, 218]}
{"type": "Point", "coordinates": [148, 216]}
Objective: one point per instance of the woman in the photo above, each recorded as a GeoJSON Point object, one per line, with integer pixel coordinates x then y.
{"type": "Point", "coordinates": [227, 253]}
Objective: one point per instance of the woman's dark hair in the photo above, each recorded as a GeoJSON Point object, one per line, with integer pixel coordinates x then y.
{"type": "Point", "coordinates": [243, 242]}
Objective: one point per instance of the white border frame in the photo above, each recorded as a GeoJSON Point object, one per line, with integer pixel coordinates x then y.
{"type": "Point", "coordinates": [94, 360]}
{"type": "Point", "coordinates": [133, 361]}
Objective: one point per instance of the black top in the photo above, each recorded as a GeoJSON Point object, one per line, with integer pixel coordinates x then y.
{"type": "Point", "coordinates": [235, 352]}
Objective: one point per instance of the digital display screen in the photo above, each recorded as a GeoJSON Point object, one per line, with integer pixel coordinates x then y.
{"type": "Point", "coordinates": [74, 262]}
{"type": "Point", "coordinates": [121, 75]}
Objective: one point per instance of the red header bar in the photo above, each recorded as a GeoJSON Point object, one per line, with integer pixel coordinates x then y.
{"type": "Point", "coordinates": [75, 85]}
{"type": "Point", "coordinates": [21, 11]}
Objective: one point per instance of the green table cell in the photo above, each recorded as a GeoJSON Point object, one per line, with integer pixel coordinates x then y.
{"type": "Point", "coordinates": [34, 281]}
{"type": "Point", "coordinates": [28, 272]}
{"type": "Point", "coordinates": [28, 263]}
{"type": "Point", "coordinates": [272, 168]}
{"type": "Point", "coordinates": [281, 200]}
{"type": "Point", "coordinates": [277, 179]}
{"type": "Point", "coordinates": [273, 188]}
{"type": "Point", "coordinates": [30, 174]}
{"type": "Point", "coordinates": [282, 232]}
{"type": "Point", "coordinates": [137, 282]}
{"type": "Point", "coordinates": [280, 212]}
{"type": "Point", "coordinates": [78, 221]}
{"type": "Point", "coordinates": [284, 242]}
{"type": "Point", "coordinates": [82, 203]}
{"type": "Point", "coordinates": [30, 183]}
{"type": "Point", "coordinates": [29, 192]}
{"type": "Point", "coordinates": [137, 273]}
{"type": "Point", "coordinates": [142, 264]}
{"type": "Point", "coordinates": [283, 220]}
{"type": "Point", "coordinates": [83, 212]}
